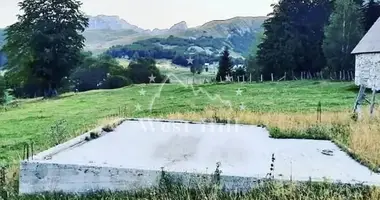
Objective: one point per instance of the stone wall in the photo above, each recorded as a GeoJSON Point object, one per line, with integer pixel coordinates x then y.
{"type": "Point", "coordinates": [367, 70]}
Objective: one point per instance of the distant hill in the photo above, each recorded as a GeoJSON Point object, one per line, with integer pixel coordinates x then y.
{"type": "Point", "coordinates": [2, 41]}
{"type": "Point", "coordinates": [205, 49]}
{"type": "Point", "coordinates": [2, 37]}
{"type": "Point", "coordinates": [241, 31]}
{"type": "Point", "coordinates": [107, 31]}
{"type": "Point", "coordinates": [101, 22]}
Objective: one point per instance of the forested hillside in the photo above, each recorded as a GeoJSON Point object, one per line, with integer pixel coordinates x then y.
{"type": "Point", "coordinates": [2, 55]}
{"type": "Point", "coordinates": [203, 49]}
{"type": "Point", "coordinates": [312, 36]}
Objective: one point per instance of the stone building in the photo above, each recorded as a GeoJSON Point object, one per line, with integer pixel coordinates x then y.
{"type": "Point", "coordinates": [367, 64]}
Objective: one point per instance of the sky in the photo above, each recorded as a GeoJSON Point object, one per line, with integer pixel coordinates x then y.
{"type": "Point", "coordinates": [150, 14]}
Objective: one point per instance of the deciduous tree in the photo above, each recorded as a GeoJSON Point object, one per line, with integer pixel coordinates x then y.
{"type": "Point", "coordinates": [343, 33]}
{"type": "Point", "coordinates": [46, 41]}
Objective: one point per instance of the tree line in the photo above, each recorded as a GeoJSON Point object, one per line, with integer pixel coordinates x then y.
{"type": "Point", "coordinates": [311, 36]}
{"type": "Point", "coordinates": [45, 54]}
{"type": "Point", "coordinates": [177, 49]}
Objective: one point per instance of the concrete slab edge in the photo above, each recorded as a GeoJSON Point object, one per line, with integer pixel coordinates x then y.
{"type": "Point", "coordinates": [36, 177]}
{"type": "Point", "coordinates": [72, 143]}
{"type": "Point", "coordinates": [371, 166]}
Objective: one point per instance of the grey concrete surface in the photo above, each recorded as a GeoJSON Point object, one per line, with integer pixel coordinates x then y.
{"type": "Point", "coordinates": [146, 146]}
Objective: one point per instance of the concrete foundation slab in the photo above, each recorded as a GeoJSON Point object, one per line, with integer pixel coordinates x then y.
{"type": "Point", "coordinates": [132, 156]}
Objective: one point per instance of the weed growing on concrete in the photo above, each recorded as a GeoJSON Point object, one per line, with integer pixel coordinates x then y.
{"type": "Point", "coordinates": [58, 132]}
{"type": "Point", "coordinates": [270, 175]}
{"type": "Point", "coordinates": [108, 128]}
{"type": "Point", "coordinates": [217, 174]}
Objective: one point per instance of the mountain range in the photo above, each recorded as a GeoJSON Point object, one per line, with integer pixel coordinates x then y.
{"type": "Point", "coordinates": [107, 31]}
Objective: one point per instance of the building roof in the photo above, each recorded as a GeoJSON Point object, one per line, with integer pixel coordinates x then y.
{"type": "Point", "coordinates": [370, 43]}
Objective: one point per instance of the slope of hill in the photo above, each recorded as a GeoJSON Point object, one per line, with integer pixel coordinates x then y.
{"type": "Point", "coordinates": [240, 31]}
{"type": "Point", "coordinates": [2, 37]}
{"type": "Point", "coordinates": [101, 22]}
{"type": "Point", "coordinates": [2, 56]}
{"type": "Point", "coordinates": [223, 28]}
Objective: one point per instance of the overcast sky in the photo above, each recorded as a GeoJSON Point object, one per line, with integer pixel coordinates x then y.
{"type": "Point", "coordinates": [151, 14]}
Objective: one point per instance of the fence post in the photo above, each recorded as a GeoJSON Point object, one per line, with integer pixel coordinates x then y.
{"type": "Point", "coordinates": [244, 78]}
{"type": "Point", "coordinates": [271, 76]}
{"type": "Point", "coordinates": [261, 77]}
{"type": "Point", "coordinates": [250, 77]}
{"type": "Point", "coordinates": [352, 75]}
{"type": "Point", "coordinates": [344, 75]}
{"type": "Point", "coordinates": [285, 76]}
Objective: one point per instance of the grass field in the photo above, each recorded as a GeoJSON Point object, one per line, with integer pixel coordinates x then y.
{"type": "Point", "coordinates": [31, 119]}
{"type": "Point", "coordinates": [288, 109]}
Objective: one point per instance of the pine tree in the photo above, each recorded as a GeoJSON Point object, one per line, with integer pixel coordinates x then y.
{"type": "Point", "coordinates": [225, 65]}
{"type": "Point", "coordinates": [342, 34]}
{"type": "Point", "coordinates": [371, 13]}
{"type": "Point", "coordinates": [293, 36]}
{"type": "Point", "coordinates": [135, 56]}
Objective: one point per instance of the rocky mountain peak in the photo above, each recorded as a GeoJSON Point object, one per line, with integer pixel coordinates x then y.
{"type": "Point", "coordinates": [181, 26]}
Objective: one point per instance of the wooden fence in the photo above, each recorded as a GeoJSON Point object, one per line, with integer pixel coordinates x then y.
{"type": "Point", "coordinates": [251, 78]}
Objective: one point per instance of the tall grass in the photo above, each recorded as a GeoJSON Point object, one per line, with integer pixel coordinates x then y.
{"type": "Point", "coordinates": [360, 138]}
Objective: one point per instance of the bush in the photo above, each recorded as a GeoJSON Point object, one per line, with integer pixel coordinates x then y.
{"type": "Point", "coordinates": [88, 79]}
{"type": "Point", "coordinates": [117, 81]}
{"type": "Point", "coordinates": [142, 69]}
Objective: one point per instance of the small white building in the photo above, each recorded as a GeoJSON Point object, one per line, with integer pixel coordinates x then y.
{"type": "Point", "coordinates": [367, 59]}
{"type": "Point", "coordinates": [367, 63]}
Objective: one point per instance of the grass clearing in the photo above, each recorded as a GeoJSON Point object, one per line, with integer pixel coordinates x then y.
{"type": "Point", "coordinates": [288, 109]}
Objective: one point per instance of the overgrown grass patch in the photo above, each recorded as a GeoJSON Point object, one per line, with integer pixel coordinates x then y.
{"type": "Point", "coordinates": [264, 191]}
{"type": "Point", "coordinates": [359, 139]}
